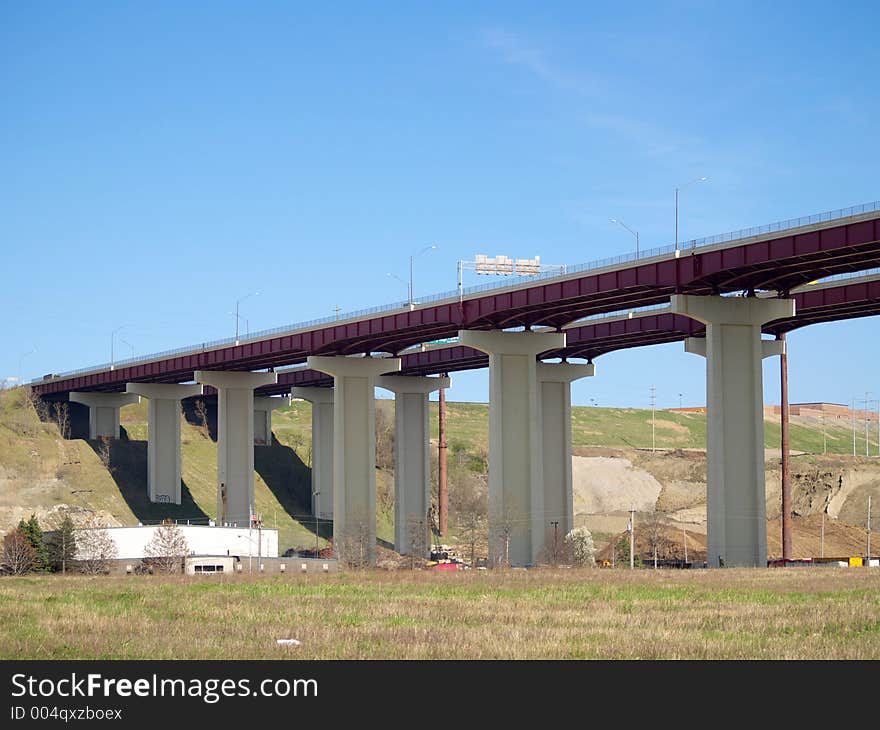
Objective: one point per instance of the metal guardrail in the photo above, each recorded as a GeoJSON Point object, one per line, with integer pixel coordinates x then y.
{"type": "Point", "coordinates": [481, 288]}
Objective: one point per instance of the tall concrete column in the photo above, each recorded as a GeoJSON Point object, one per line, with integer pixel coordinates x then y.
{"type": "Point", "coordinates": [104, 411]}
{"type": "Point", "coordinates": [263, 407]}
{"type": "Point", "coordinates": [163, 441]}
{"type": "Point", "coordinates": [354, 451]}
{"type": "Point", "coordinates": [322, 448]}
{"type": "Point", "coordinates": [736, 499]}
{"type": "Point", "coordinates": [412, 460]}
{"type": "Point", "coordinates": [235, 440]}
{"type": "Point", "coordinates": [516, 471]}
{"type": "Point", "coordinates": [555, 403]}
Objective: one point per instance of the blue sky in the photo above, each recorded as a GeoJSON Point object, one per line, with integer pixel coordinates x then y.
{"type": "Point", "coordinates": [163, 160]}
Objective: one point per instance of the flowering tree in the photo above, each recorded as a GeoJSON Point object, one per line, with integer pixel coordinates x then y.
{"type": "Point", "coordinates": [579, 544]}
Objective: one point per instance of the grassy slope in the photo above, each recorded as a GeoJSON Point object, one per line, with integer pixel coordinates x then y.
{"type": "Point", "coordinates": [468, 423]}
{"type": "Point", "coordinates": [72, 472]}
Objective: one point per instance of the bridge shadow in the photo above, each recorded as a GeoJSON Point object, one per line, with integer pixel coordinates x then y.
{"type": "Point", "coordinates": [290, 480]}
{"type": "Point", "coordinates": [126, 461]}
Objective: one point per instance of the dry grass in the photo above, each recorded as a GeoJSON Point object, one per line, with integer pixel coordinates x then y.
{"type": "Point", "coordinates": [796, 613]}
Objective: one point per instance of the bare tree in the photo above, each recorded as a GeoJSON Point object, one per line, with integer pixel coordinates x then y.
{"type": "Point", "coordinates": [417, 538]}
{"type": "Point", "coordinates": [653, 527]}
{"type": "Point", "coordinates": [62, 418]}
{"type": "Point", "coordinates": [94, 548]}
{"type": "Point", "coordinates": [201, 412]}
{"type": "Point", "coordinates": [355, 548]}
{"type": "Point", "coordinates": [468, 507]}
{"type": "Point", "coordinates": [19, 556]}
{"type": "Point", "coordinates": [41, 407]}
{"type": "Point", "coordinates": [553, 552]}
{"type": "Point", "coordinates": [384, 436]}
{"type": "Point", "coordinates": [104, 452]}
{"type": "Point", "coordinates": [167, 549]}
{"type": "Point", "coordinates": [499, 546]}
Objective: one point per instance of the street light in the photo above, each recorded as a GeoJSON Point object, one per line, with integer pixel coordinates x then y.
{"type": "Point", "coordinates": [408, 294]}
{"type": "Point", "coordinates": [112, 338]}
{"type": "Point", "coordinates": [124, 342]}
{"type": "Point", "coordinates": [682, 187]}
{"type": "Point", "coordinates": [409, 286]}
{"type": "Point", "coordinates": [423, 251]}
{"type": "Point", "coordinates": [237, 302]}
{"type": "Point", "coordinates": [20, 358]}
{"type": "Point", "coordinates": [635, 233]}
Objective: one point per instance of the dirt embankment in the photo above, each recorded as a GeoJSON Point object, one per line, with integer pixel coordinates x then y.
{"type": "Point", "coordinates": [608, 482]}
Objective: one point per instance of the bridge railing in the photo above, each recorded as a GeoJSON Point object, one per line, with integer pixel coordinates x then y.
{"type": "Point", "coordinates": [476, 289]}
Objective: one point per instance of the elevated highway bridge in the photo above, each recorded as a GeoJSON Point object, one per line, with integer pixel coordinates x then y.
{"type": "Point", "coordinates": [719, 295]}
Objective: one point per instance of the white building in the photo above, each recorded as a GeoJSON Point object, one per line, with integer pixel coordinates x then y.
{"type": "Point", "coordinates": [241, 542]}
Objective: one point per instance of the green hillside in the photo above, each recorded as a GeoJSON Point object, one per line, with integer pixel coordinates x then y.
{"type": "Point", "coordinates": [39, 470]}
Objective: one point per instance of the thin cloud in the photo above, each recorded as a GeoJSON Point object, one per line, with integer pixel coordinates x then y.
{"type": "Point", "coordinates": [655, 141]}
{"type": "Point", "coordinates": [520, 52]}
{"type": "Point", "coordinates": [516, 51]}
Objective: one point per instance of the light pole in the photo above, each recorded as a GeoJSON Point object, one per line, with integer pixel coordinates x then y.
{"type": "Point", "coordinates": [635, 233]}
{"type": "Point", "coordinates": [408, 287]}
{"type": "Point", "coordinates": [237, 302]}
{"type": "Point", "coordinates": [412, 256]}
{"type": "Point", "coordinates": [130, 345]}
{"type": "Point", "coordinates": [20, 358]}
{"type": "Point", "coordinates": [682, 187]}
{"type": "Point", "coordinates": [112, 343]}
{"type": "Point", "coordinates": [632, 536]}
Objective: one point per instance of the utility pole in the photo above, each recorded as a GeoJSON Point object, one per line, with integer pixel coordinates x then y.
{"type": "Point", "coordinates": [785, 450]}
{"type": "Point", "coordinates": [632, 536]}
{"type": "Point", "coordinates": [685, 536]}
{"type": "Point", "coordinates": [555, 524]}
{"type": "Point", "coordinates": [853, 420]}
{"type": "Point", "coordinates": [869, 530]}
{"type": "Point", "coordinates": [442, 491]}
{"type": "Point", "coordinates": [653, 404]}
{"type": "Point", "coordinates": [824, 440]}
{"type": "Point", "coordinates": [822, 542]}
{"type": "Point", "coordinates": [866, 405]}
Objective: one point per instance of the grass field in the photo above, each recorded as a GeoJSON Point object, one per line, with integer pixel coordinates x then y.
{"type": "Point", "coordinates": [794, 613]}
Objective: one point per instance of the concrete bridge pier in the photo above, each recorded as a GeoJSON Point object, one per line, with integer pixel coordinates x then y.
{"type": "Point", "coordinates": [412, 460]}
{"type": "Point", "coordinates": [516, 471]}
{"type": "Point", "coordinates": [555, 404]}
{"type": "Point", "coordinates": [235, 440]}
{"type": "Point", "coordinates": [163, 441]}
{"type": "Point", "coordinates": [103, 411]}
{"type": "Point", "coordinates": [263, 407]}
{"type": "Point", "coordinates": [736, 498]}
{"type": "Point", "coordinates": [354, 451]}
{"type": "Point", "coordinates": [322, 448]}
